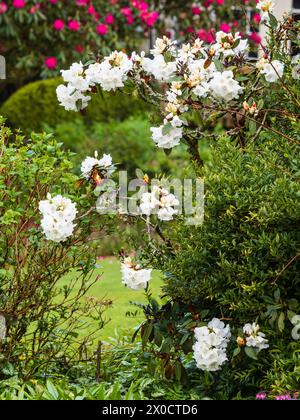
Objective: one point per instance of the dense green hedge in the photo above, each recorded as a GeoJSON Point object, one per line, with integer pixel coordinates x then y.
{"type": "Point", "coordinates": [35, 105]}
{"type": "Point", "coordinates": [251, 230]}
{"type": "Point", "coordinates": [241, 265]}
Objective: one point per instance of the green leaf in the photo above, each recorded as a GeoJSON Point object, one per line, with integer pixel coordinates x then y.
{"type": "Point", "coordinates": [280, 321]}
{"type": "Point", "coordinates": [291, 315]}
{"type": "Point", "coordinates": [219, 65]}
{"type": "Point", "coordinates": [236, 352]}
{"type": "Point", "coordinates": [251, 352]}
{"type": "Point", "coordinates": [52, 390]}
{"type": "Point", "coordinates": [139, 173]}
{"type": "Point", "coordinates": [236, 43]}
{"type": "Point", "coordinates": [277, 295]}
{"type": "Point", "coordinates": [178, 370]}
{"type": "Point", "coordinates": [260, 104]}
{"type": "Point", "coordinates": [146, 333]}
{"type": "Point", "coordinates": [273, 21]}
{"type": "Point", "coordinates": [252, 126]}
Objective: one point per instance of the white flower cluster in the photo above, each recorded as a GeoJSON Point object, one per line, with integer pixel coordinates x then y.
{"type": "Point", "coordinates": [272, 70]}
{"type": "Point", "coordinates": [254, 337]}
{"type": "Point", "coordinates": [159, 201]}
{"type": "Point", "coordinates": [110, 75]}
{"type": "Point", "coordinates": [104, 165]}
{"type": "Point", "coordinates": [200, 78]}
{"type": "Point", "coordinates": [166, 137]}
{"type": "Point", "coordinates": [58, 214]}
{"type": "Point", "coordinates": [133, 276]}
{"type": "Point", "coordinates": [230, 45]}
{"type": "Point", "coordinates": [211, 344]}
{"type": "Point", "coordinates": [224, 87]}
{"type": "Point", "coordinates": [266, 7]}
{"type": "Point", "coordinates": [191, 74]}
{"type": "Point", "coordinates": [296, 330]}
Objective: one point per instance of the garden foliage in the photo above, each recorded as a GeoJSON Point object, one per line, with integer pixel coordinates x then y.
{"type": "Point", "coordinates": [44, 319]}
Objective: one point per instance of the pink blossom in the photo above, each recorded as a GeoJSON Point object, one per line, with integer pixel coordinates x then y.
{"type": "Point", "coordinates": [59, 24]}
{"type": "Point", "coordinates": [74, 25]}
{"type": "Point", "coordinates": [210, 37]}
{"type": "Point", "coordinates": [91, 10]}
{"type": "Point", "coordinates": [202, 34]}
{"type": "Point", "coordinates": [225, 27]}
{"type": "Point", "coordinates": [126, 11]}
{"type": "Point", "coordinates": [207, 3]}
{"type": "Point", "coordinates": [51, 63]}
{"type": "Point", "coordinates": [109, 19]}
{"type": "Point", "coordinates": [150, 18]}
{"type": "Point", "coordinates": [130, 20]}
{"type": "Point", "coordinates": [196, 10]}
{"type": "Point", "coordinates": [102, 29]}
{"type": "Point", "coordinates": [190, 30]}
{"type": "Point", "coordinates": [82, 2]}
{"type": "Point", "coordinates": [255, 37]}
{"type": "Point", "coordinates": [3, 8]}
{"type": "Point", "coordinates": [261, 396]}
{"type": "Point", "coordinates": [257, 18]}
{"type": "Point", "coordinates": [33, 9]}
{"type": "Point", "coordinates": [283, 397]}
{"type": "Point", "coordinates": [19, 4]}
{"type": "Point", "coordinates": [79, 49]}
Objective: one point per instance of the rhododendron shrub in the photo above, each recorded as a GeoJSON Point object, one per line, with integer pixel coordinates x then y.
{"type": "Point", "coordinates": [233, 280]}
{"type": "Point", "coordinates": [44, 317]}
{"type": "Point", "coordinates": [190, 19]}
{"type": "Point", "coordinates": [37, 38]}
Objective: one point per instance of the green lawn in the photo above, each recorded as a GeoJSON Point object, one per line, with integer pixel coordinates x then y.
{"type": "Point", "coordinates": [111, 288]}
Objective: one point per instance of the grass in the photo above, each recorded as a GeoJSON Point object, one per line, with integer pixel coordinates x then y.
{"type": "Point", "coordinates": [109, 287]}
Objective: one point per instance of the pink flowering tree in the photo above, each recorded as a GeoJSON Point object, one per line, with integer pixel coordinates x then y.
{"type": "Point", "coordinates": [38, 38]}
{"type": "Point", "coordinates": [204, 18]}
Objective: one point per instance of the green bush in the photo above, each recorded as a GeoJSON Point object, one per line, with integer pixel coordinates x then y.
{"type": "Point", "coordinates": [241, 265]}
{"type": "Point", "coordinates": [43, 319]}
{"type": "Point", "coordinates": [36, 105]}
{"type": "Point", "coordinates": [251, 229]}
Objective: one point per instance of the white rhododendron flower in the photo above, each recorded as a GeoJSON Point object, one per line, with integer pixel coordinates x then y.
{"type": "Point", "coordinates": [266, 7]}
{"type": "Point", "coordinates": [70, 98]}
{"type": "Point", "coordinates": [170, 139]}
{"type": "Point", "coordinates": [58, 214]}
{"type": "Point", "coordinates": [224, 87]}
{"type": "Point", "coordinates": [202, 90]}
{"type": "Point", "coordinates": [75, 77]}
{"type": "Point", "coordinates": [187, 53]}
{"type": "Point", "coordinates": [161, 202]}
{"type": "Point", "coordinates": [162, 45]}
{"type": "Point", "coordinates": [112, 72]}
{"type": "Point", "coordinates": [133, 276]}
{"type": "Point", "coordinates": [296, 330]}
{"type": "Point", "coordinates": [230, 45]}
{"type": "Point", "coordinates": [254, 337]}
{"type": "Point", "coordinates": [198, 67]}
{"type": "Point", "coordinates": [159, 68]}
{"type": "Point", "coordinates": [93, 74]}
{"type": "Point", "coordinates": [271, 70]}
{"type": "Point", "coordinates": [105, 164]}
{"type": "Point", "coordinates": [211, 344]}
